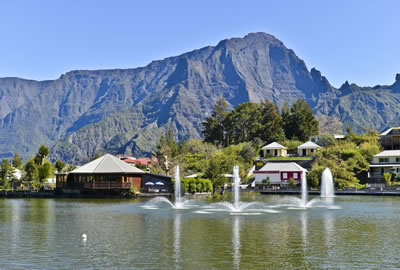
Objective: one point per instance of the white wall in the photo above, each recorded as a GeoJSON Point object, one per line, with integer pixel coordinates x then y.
{"type": "Point", "coordinates": [273, 178]}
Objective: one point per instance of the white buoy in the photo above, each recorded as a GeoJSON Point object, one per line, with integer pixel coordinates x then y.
{"type": "Point", "coordinates": [84, 236]}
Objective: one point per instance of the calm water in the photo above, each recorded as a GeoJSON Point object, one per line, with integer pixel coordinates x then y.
{"type": "Point", "coordinates": [46, 234]}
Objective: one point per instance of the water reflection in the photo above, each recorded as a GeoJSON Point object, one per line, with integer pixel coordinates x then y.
{"type": "Point", "coordinates": [177, 240]}
{"type": "Point", "coordinates": [329, 228]}
{"type": "Point", "coordinates": [304, 228]}
{"type": "Point", "coordinates": [236, 242]}
{"type": "Point", "coordinates": [15, 221]}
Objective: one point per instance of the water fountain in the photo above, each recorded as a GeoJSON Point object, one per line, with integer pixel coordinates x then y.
{"type": "Point", "coordinates": [327, 193]}
{"type": "Point", "coordinates": [327, 190]}
{"type": "Point", "coordinates": [236, 186]}
{"type": "Point", "coordinates": [180, 202]}
{"type": "Point", "coordinates": [236, 207]}
{"type": "Point", "coordinates": [178, 192]}
{"type": "Point", "coordinates": [304, 192]}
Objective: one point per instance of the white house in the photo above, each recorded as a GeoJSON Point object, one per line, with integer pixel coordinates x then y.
{"type": "Point", "coordinates": [307, 149]}
{"type": "Point", "coordinates": [316, 139]}
{"type": "Point", "coordinates": [279, 173]}
{"type": "Point", "coordinates": [385, 162]}
{"type": "Point", "coordinates": [274, 150]}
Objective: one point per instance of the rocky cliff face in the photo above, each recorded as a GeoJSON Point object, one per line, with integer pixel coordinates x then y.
{"type": "Point", "coordinates": [125, 111]}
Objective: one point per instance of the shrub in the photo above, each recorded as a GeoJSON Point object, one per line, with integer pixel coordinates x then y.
{"type": "Point", "coordinates": [387, 177]}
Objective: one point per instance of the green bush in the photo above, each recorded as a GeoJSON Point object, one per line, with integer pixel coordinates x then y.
{"type": "Point", "coordinates": [195, 185]}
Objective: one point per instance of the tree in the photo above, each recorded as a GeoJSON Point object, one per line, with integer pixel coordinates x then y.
{"type": "Point", "coordinates": [43, 153]}
{"type": "Point", "coordinates": [388, 178]}
{"type": "Point", "coordinates": [17, 162]}
{"type": "Point", "coordinates": [329, 124]}
{"type": "Point", "coordinates": [272, 123]}
{"type": "Point", "coordinates": [32, 172]}
{"type": "Point", "coordinates": [59, 165]}
{"type": "Point", "coordinates": [45, 171]}
{"type": "Point", "coordinates": [300, 123]}
{"type": "Point", "coordinates": [243, 123]}
{"type": "Point", "coordinates": [215, 172]}
{"type": "Point", "coordinates": [166, 150]}
{"type": "Point", "coordinates": [6, 173]}
{"type": "Point", "coordinates": [214, 130]}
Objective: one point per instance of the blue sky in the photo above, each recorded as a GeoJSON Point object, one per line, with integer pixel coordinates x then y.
{"type": "Point", "coordinates": [352, 40]}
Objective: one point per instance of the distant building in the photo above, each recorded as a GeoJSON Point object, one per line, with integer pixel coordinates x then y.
{"type": "Point", "coordinates": [274, 150]}
{"type": "Point", "coordinates": [109, 175]}
{"type": "Point", "coordinates": [144, 161]}
{"type": "Point", "coordinates": [317, 138]}
{"type": "Point", "coordinates": [279, 173]}
{"type": "Point", "coordinates": [390, 138]}
{"type": "Point", "coordinates": [387, 161]}
{"type": "Point", "coordinates": [307, 149]}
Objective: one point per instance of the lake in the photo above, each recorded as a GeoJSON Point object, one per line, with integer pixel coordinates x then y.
{"type": "Point", "coordinates": [358, 233]}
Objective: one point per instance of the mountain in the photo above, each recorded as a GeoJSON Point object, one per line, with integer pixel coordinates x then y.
{"type": "Point", "coordinates": [126, 110]}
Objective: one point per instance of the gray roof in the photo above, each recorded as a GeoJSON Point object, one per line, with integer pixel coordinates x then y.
{"type": "Point", "coordinates": [107, 164]}
{"type": "Point", "coordinates": [283, 166]}
{"type": "Point", "coordinates": [388, 153]}
{"type": "Point", "coordinates": [274, 145]}
{"type": "Point", "coordinates": [308, 145]}
{"type": "Point", "coordinates": [386, 132]}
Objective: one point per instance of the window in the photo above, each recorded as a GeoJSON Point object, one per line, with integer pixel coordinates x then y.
{"type": "Point", "coordinates": [284, 176]}
{"type": "Point", "coordinates": [397, 159]}
{"type": "Point", "coordinates": [268, 151]}
{"type": "Point", "coordinates": [312, 150]}
{"type": "Point", "coordinates": [382, 160]}
{"type": "Point", "coordinates": [295, 176]}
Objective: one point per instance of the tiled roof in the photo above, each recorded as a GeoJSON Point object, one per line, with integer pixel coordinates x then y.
{"type": "Point", "coordinates": [107, 164]}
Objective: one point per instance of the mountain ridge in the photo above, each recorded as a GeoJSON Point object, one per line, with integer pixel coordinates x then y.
{"type": "Point", "coordinates": [127, 110]}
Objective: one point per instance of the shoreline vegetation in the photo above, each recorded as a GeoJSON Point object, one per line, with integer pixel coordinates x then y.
{"type": "Point", "coordinates": [232, 137]}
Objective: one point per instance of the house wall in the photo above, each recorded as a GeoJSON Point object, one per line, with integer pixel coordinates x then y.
{"type": "Point", "coordinates": [274, 176]}
{"type": "Point", "coordinates": [386, 160]}
{"type": "Point", "coordinates": [277, 177]}
{"type": "Point", "coordinates": [309, 152]}
{"type": "Point", "coordinates": [271, 152]}
{"type": "Point", "coordinates": [286, 175]}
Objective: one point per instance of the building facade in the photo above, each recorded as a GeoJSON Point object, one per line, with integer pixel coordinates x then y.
{"type": "Point", "coordinates": [109, 175]}
{"type": "Point", "coordinates": [307, 149]}
{"type": "Point", "coordinates": [390, 139]}
{"type": "Point", "coordinates": [279, 173]}
{"type": "Point", "coordinates": [274, 150]}
{"type": "Point", "coordinates": [387, 161]}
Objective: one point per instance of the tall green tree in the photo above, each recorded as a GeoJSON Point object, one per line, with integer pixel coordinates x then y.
{"type": "Point", "coordinates": [60, 165]}
{"type": "Point", "coordinates": [32, 173]}
{"type": "Point", "coordinates": [243, 124]}
{"type": "Point", "coordinates": [272, 124]}
{"type": "Point", "coordinates": [17, 162]}
{"type": "Point", "coordinates": [6, 173]}
{"type": "Point", "coordinates": [300, 123]}
{"type": "Point", "coordinates": [166, 150]}
{"type": "Point", "coordinates": [214, 129]}
{"type": "Point", "coordinates": [43, 153]}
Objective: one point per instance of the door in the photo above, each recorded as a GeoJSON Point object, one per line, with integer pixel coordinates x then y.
{"type": "Point", "coordinates": [304, 152]}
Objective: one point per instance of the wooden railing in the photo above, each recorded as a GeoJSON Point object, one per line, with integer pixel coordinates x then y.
{"type": "Point", "coordinates": [95, 185]}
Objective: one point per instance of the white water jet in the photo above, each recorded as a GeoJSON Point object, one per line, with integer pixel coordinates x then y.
{"type": "Point", "coordinates": [178, 194]}
{"type": "Point", "coordinates": [236, 186]}
{"type": "Point", "coordinates": [304, 192]}
{"type": "Point", "coordinates": [327, 189]}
